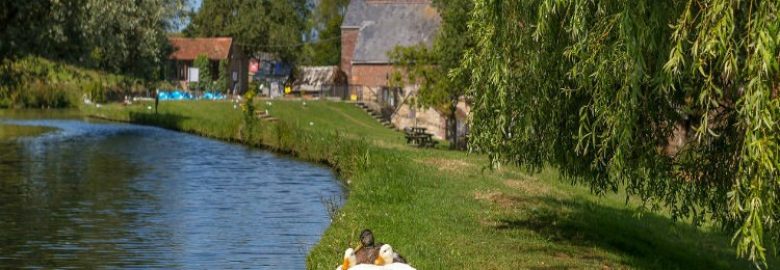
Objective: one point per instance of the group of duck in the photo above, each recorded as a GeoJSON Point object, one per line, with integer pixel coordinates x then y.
{"type": "Point", "coordinates": [373, 256]}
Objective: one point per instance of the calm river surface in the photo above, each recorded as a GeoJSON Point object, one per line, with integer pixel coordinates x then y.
{"type": "Point", "coordinates": [105, 195]}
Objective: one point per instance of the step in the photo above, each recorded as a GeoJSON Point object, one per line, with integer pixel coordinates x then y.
{"type": "Point", "coordinates": [376, 115]}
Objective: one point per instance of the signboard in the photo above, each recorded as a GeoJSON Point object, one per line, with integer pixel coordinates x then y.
{"type": "Point", "coordinates": [193, 74]}
{"type": "Point", "coordinates": [275, 90]}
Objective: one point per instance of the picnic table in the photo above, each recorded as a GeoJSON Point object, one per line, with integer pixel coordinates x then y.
{"type": "Point", "coordinates": [419, 137]}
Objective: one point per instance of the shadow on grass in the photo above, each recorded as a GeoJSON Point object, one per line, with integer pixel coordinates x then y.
{"type": "Point", "coordinates": [649, 241]}
{"type": "Point", "coordinates": [164, 120]}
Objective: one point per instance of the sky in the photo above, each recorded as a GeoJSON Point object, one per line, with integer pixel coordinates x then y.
{"type": "Point", "coordinates": [196, 4]}
{"type": "Point", "coordinates": [191, 4]}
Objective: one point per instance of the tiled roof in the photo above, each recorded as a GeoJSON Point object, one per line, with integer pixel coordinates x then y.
{"type": "Point", "coordinates": [190, 48]}
{"type": "Point", "coordinates": [385, 24]}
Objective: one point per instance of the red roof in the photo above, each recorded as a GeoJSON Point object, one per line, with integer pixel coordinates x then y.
{"type": "Point", "coordinates": [190, 48]}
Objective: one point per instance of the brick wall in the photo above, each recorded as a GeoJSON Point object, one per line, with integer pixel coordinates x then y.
{"type": "Point", "coordinates": [348, 41]}
{"type": "Point", "coordinates": [370, 75]}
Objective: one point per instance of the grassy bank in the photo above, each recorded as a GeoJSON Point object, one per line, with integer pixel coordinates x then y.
{"type": "Point", "coordinates": [441, 209]}
{"type": "Point", "coordinates": [11, 132]}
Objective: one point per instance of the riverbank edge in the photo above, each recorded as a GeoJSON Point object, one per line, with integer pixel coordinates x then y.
{"type": "Point", "coordinates": [13, 132]}
{"type": "Point", "coordinates": [262, 145]}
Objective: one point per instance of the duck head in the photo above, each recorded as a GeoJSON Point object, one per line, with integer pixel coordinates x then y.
{"type": "Point", "coordinates": [367, 238]}
{"type": "Point", "coordinates": [385, 255]}
{"type": "Point", "coordinates": [349, 259]}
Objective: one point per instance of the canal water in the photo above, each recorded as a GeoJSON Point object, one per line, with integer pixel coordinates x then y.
{"type": "Point", "coordinates": [105, 195]}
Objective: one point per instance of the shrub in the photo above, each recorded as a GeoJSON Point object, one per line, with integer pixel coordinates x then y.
{"type": "Point", "coordinates": [39, 94]}
{"type": "Point", "coordinates": [204, 78]}
{"type": "Point", "coordinates": [224, 76]}
{"type": "Point", "coordinates": [95, 91]}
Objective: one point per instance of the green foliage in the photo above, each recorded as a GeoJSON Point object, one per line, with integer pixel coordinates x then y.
{"type": "Point", "coordinates": [114, 36]}
{"type": "Point", "coordinates": [42, 83]}
{"type": "Point", "coordinates": [39, 94]}
{"type": "Point", "coordinates": [164, 85]}
{"type": "Point", "coordinates": [204, 72]}
{"type": "Point", "coordinates": [325, 22]}
{"type": "Point", "coordinates": [433, 69]}
{"type": "Point", "coordinates": [683, 116]}
{"type": "Point", "coordinates": [275, 27]}
{"type": "Point", "coordinates": [96, 92]}
{"type": "Point", "coordinates": [117, 36]}
{"type": "Point", "coordinates": [250, 119]}
{"type": "Point", "coordinates": [418, 65]}
{"type": "Point", "coordinates": [224, 76]}
{"type": "Point", "coordinates": [248, 103]}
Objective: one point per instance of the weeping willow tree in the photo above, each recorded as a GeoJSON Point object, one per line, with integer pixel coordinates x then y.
{"type": "Point", "coordinates": [675, 102]}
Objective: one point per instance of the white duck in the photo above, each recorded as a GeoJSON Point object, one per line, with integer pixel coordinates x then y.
{"type": "Point", "coordinates": [385, 256]}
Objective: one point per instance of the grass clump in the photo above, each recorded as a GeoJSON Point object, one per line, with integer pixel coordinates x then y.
{"type": "Point", "coordinates": [11, 132]}
{"type": "Point", "coordinates": [441, 209]}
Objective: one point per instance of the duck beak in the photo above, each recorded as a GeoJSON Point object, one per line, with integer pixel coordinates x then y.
{"type": "Point", "coordinates": [379, 261]}
{"type": "Point", "coordinates": [345, 266]}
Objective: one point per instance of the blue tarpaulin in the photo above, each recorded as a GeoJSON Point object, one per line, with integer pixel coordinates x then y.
{"type": "Point", "coordinates": [183, 95]}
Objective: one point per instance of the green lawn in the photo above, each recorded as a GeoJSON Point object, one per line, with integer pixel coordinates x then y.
{"type": "Point", "coordinates": [442, 209]}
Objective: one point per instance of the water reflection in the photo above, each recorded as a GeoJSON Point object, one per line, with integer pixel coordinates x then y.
{"type": "Point", "coordinates": [106, 195]}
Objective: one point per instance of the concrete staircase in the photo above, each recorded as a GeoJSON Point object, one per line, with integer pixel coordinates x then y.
{"type": "Point", "coordinates": [376, 115]}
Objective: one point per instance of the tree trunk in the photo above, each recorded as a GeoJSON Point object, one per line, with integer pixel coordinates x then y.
{"type": "Point", "coordinates": [452, 124]}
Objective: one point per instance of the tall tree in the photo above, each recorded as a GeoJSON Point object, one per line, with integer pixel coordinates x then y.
{"type": "Point", "coordinates": [325, 25]}
{"type": "Point", "coordinates": [126, 37]}
{"type": "Point", "coordinates": [257, 26]}
{"type": "Point", "coordinates": [433, 69]}
{"type": "Point", "coordinates": [672, 101]}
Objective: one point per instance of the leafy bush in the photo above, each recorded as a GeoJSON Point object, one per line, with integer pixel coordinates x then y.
{"type": "Point", "coordinates": [204, 72]}
{"type": "Point", "coordinates": [250, 122]}
{"type": "Point", "coordinates": [95, 92]}
{"type": "Point", "coordinates": [36, 82]}
{"type": "Point", "coordinates": [43, 95]}
{"type": "Point", "coordinates": [224, 77]}
{"type": "Point", "coordinates": [165, 85]}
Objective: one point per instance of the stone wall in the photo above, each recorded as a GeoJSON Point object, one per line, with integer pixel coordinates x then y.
{"type": "Point", "coordinates": [436, 123]}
